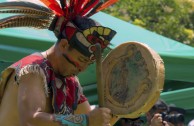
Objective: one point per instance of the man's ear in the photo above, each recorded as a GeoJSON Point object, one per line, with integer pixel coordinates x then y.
{"type": "Point", "coordinates": [63, 44]}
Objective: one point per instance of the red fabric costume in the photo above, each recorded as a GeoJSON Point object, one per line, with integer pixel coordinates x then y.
{"type": "Point", "coordinates": [66, 91]}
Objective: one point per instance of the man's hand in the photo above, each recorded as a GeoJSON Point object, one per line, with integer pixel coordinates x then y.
{"type": "Point", "coordinates": [99, 117]}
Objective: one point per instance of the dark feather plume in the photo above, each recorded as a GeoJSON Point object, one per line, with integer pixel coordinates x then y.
{"type": "Point", "coordinates": [24, 21]}
{"type": "Point", "coordinates": [27, 14]}
{"type": "Point", "coordinates": [24, 5]}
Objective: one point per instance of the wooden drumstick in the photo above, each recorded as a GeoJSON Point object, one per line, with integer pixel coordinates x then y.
{"type": "Point", "coordinates": [100, 87]}
{"type": "Point", "coordinates": [99, 76]}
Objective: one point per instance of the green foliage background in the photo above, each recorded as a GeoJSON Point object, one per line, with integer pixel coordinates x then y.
{"type": "Point", "coordinates": [171, 18]}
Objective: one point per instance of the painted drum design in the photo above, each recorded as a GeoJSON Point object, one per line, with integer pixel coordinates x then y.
{"type": "Point", "coordinates": [133, 77]}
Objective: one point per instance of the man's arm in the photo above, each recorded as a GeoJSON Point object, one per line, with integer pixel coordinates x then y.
{"type": "Point", "coordinates": [83, 108]}
{"type": "Point", "coordinates": [32, 102]}
{"type": "Point", "coordinates": [33, 107]}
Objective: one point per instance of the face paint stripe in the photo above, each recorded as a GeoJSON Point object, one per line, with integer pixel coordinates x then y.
{"type": "Point", "coordinates": [71, 61]}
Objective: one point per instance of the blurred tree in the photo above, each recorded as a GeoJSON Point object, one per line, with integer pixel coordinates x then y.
{"type": "Point", "coordinates": [171, 18]}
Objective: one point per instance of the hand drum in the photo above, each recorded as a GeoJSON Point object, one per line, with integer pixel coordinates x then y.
{"type": "Point", "coordinates": [133, 77]}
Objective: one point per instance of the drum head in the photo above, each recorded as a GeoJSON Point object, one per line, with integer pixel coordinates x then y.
{"type": "Point", "coordinates": [133, 75]}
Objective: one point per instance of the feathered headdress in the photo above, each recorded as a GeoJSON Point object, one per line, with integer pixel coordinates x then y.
{"type": "Point", "coordinates": [57, 17]}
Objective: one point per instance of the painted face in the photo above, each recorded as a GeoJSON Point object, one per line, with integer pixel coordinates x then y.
{"type": "Point", "coordinates": [78, 61]}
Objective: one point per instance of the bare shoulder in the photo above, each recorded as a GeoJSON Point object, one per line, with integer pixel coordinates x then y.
{"type": "Point", "coordinates": [31, 79]}
{"type": "Point", "coordinates": [31, 94]}
{"type": "Point", "coordinates": [33, 83]}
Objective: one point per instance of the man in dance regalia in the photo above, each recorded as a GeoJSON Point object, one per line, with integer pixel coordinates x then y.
{"type": "Point", "coordinates": [42, 89]}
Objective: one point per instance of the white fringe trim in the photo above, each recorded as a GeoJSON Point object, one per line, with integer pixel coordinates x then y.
{"type": "Point", "coordinates": [34, 69]}
{"type": "Point", "coordinates": [80, 89]}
